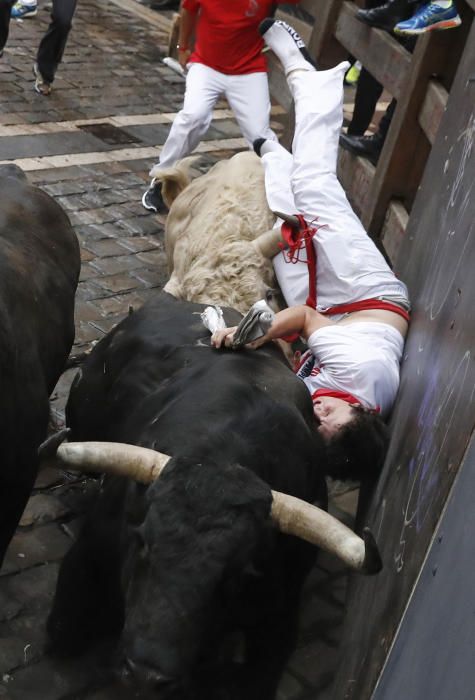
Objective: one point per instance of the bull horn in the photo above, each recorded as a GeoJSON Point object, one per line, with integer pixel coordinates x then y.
{"type": "Point", "coordinates": [290, 219]}
{"type": "Point", "coordinates": [138, 463]}
{"type": "Point", "coordinates": [292, 515]}
{"type": "Point", "coordinates": [268, 244]}
{"type": "Point", "coordinates": [296, 517]}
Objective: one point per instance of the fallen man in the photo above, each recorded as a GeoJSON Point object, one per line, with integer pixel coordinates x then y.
{"type": "Point", "coordinates": [343, 298]}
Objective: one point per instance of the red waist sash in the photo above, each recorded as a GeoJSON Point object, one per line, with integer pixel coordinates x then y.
{"type": "Point", "coordinates": [368, 305]}
{"type": "Point", "coordinates": [299, 240]}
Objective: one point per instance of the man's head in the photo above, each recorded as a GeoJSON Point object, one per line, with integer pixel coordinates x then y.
{"type": "Point", "coordinates": [356, 439]}
{"type": "Point", "coordinates": [332, 414]}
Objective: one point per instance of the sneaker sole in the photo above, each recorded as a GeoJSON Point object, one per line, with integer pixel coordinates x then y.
{"type": "Point", "coordinates": [148, 207]}
{"type": "Point", "coordinates": [444, 24]}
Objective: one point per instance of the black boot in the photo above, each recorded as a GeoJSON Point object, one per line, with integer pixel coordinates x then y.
{"type": "Point", "coordinates": [366, 146]}
{"type": "Point", "coordinates": [386, 16]}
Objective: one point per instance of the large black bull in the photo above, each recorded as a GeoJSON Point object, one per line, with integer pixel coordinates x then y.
{"type": "Point", "coordinates": [190, 571]}
{"type": "Point", "coordinates": [39, 269]}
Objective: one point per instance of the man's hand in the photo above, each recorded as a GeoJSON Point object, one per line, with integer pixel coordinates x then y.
{"type": "Point", "coordinates": [223, 337]}
{"type": "Point", "coordinates": [183, 57]}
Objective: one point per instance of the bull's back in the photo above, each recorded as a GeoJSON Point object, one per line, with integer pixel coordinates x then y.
{"type": "Point", "coordinates": [156, 382]}
{"type": "Point", "coordinates": [232, 188]}
{"type": "Point", "coordinates": [39, 270]}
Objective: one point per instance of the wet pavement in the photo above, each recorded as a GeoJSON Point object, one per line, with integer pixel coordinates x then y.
{"type": "Point", "coordinates": [90, 145]}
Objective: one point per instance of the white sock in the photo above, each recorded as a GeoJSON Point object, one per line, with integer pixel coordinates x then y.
{"type": "Point", "coordinates": [269, 146]}
{"type": "Point", "coordinates": [288, 46]}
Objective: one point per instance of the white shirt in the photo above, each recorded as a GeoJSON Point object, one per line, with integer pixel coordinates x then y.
{"type": "Point", "coordinates": [361, 358]}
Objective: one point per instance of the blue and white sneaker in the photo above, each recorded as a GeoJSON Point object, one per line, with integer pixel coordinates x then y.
{"type": "Point", "coordinates": [20, 11]}
{"type": "Point", "coordinates": [428, 18]}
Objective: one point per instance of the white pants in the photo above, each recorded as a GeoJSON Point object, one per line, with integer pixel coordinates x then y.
{"type": "Point", "coordinates": [247, 95]}
{"type": "Point", "coordinates": [349, 266]}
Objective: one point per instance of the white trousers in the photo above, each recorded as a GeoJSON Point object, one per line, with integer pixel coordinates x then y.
{"type": "Point", "coordinates": [349, 266]}
{"type": "Point", "coordinates": [247, 95]}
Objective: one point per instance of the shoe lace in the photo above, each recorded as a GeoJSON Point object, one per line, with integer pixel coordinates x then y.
{"type": "Point", "coordinates": [427, 11]}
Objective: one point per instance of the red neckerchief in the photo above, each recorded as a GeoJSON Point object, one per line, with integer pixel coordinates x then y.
{"type": "Point", "coordinates": [349, 398]}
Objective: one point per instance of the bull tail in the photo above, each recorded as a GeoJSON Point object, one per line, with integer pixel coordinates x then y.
{"type": "Point", "coordinates": [174, 179]}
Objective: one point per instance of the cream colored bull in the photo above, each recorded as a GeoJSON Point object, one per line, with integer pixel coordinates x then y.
{"type": "Point", "coordinates": [218, 233]}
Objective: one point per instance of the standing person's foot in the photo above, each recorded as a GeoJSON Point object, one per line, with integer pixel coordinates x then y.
{"type": "Point", "coordinates": [435, 15]}
{"type": "Point", "coordinates": [352, 74]}
{"type": "Point", "coordinates": [366, 146]}
{"type": "Point", "coordinates": [287, 45]}
{"type": "Point", "coordinates": [385, 16]}
{"type": "Point", "coordinates": [152, 199]}
{"type": "Point", "coordinates": [21, 11]}
{"type": "Point", "coordinates": [42, 86]}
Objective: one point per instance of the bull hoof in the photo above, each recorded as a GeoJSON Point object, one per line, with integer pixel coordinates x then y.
{"type": "Point", "coordinates": [372, 561]}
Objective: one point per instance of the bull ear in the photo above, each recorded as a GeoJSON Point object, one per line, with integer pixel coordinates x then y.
{"type": "Point", "coordinates": [268, 243]}
{"type": "Point", "coordinates": [138, 463]}
{"type": "Point", "coordinates": [174, 179]}
{"type": "Point", "coordinates": [296, 517]}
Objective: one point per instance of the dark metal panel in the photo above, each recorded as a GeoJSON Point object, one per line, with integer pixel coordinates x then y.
{"type": "Point", "coordinates": [434, 652]}
{"type": "Point", "coordinates": [435, 414]}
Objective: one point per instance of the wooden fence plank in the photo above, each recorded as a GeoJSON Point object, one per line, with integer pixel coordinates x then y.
{"type": "Point", "coordinates": [433, 109]}
{"type": "Point", "coordinates": [356, 176]}
{"type": "Point", "coordinates": [394, 229]}
{"type": "Point", "coordinates": [398, 157]}
{"type": "Point", "coordinates": [323, 46]}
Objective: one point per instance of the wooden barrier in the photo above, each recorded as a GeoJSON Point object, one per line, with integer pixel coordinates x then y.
{"type": "Point", "coordinates": [421, 84]}
{"type": "Point", "coordinates": [409, 632]}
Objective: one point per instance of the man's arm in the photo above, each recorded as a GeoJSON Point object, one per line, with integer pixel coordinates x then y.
{"type": "Point", "coordinates": [188, 20]}
{"type": "Point", "coordinates": [296, 319]}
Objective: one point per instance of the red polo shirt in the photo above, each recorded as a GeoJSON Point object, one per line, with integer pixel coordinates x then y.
{"type": "Point", "coordinates": [226, 34]}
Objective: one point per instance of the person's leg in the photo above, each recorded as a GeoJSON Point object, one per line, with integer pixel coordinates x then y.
{"type": "Point", "coordinates": [5, 12]}
{"type": "Point", "coordinates": [51, 48]}
{"type": "Point", "coordinates": [248, 97]}
{"type": "Point", "coordinates": [349, 266]}
{"type": "Point", "coordinates": [203, 87]}
{"type": "Point", "coordinates": [368, 92]}
{"type": "Point", "coordinates": [293, 277]}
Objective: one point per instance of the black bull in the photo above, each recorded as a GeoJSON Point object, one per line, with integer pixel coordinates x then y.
{"type": "Point", "coordinates": [39, 270]}
{"type": "Point", "coordinates": [183, 568]}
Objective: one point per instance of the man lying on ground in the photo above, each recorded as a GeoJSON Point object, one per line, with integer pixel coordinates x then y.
{"type": "Point", "coordinates": [343, 298]}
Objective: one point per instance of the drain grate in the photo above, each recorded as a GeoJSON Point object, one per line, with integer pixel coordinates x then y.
{"type": "Point", "coordinates": [112, 135]}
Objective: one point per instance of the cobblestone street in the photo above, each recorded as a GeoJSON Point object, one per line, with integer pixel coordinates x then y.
{"type": "Point", "coordinates": [90, 145]}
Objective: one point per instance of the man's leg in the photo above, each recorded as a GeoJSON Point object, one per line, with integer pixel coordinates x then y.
{"type": "Point", "coordinates": [248, 97]}
{"type": "Point", "coordinates": [51, 48]}
{"type": "Point", "coordinates": [349, 266]}
{"type": "Point", "coordinates": [5, 10]}
{"type": "Point", "coordinates": [203, 87]}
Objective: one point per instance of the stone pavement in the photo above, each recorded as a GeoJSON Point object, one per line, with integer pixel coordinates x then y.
{"type": "Point", "coordinates": [91, 145]}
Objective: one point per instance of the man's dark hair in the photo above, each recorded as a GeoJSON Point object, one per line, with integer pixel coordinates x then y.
{"type": "Point", "coordinates": [358, 450]}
